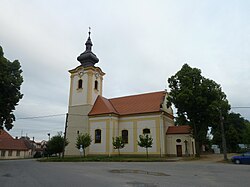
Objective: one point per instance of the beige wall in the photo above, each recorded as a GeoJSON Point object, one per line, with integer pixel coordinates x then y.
{"type": "Point", "coordinates": [77, 121]}
{"type": "Point", "coordinates": [81, 102]}
{"type": "Point", "coordinates": [111, 126]}
{"type": "Point", "coordinates": [171, 144]}
{"type": "Point", "coordinates": [23, 154]}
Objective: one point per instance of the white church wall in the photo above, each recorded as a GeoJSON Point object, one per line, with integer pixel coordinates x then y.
{"type": "Point", "coordinates": [149, 124]}
{"type": "Point", "coordinates": [98, 147]}
{"type": "Point", "coordinates": [79, 95]}
{"type": "Point", "coordinates": [129, 147]}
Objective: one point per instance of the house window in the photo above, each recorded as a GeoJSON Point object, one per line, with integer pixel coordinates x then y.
{"type": "Point", "coordinates": [146, 131]}
{"type": "Point", "coordinates": [125, 136]}
{"type": "Point", "coordinates": [80, 84]}
{"type": "Point", "coordinates": [96, 85]}
{"type": "Point", "coordinates": [98, 136]}
{"type": "Point", "coordinates": [3, 153]}
{"type": "Point", "coordinates": [10, 153]}
{"type": "Point", "coordinates": [17, 153]}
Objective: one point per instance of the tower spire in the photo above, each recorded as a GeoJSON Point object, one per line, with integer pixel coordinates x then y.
{"type": "Point", "coordinates": [88, 58]}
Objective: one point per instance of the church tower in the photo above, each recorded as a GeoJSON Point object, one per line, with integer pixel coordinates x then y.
{"type": "Point", "coordinates": [85, 85]}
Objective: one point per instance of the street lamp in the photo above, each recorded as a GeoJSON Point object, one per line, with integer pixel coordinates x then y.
{"type": "Point", "coordinates": [49, 136]}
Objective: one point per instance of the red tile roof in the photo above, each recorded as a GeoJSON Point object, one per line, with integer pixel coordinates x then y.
{"type": "Point", "coordinates": [184, 129]}
{"type": "Point", "coordinates": [7, 142]}
{"type": "Point", "coordinates": [135, 104]}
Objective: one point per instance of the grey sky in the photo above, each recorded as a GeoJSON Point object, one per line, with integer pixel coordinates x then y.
{"type": "Point", "coordinates": [139, 43]}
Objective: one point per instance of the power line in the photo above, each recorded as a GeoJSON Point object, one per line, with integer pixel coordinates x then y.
{"type": "Point", "coordinates": [240, 107]}
{"type": "Point", "coordinates": [47, 116]}
{"type": "Point", "coordinates": [55, 115]}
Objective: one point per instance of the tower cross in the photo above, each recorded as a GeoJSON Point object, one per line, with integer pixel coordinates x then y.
{"type": "Point", "coordinates": [89, 30]}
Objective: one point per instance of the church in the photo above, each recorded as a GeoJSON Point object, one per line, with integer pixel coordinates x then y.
{"type": "Point", "coordinates": [130, 116]}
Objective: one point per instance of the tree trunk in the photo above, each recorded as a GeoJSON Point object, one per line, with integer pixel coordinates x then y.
{"type": "Point", "coordinates": [147, 151]}
{"type": "Point", "coordinates": [84, 153]}
{"type": "Point", "coordinates": [197, 149]}
{"type": "Point", "coordinates": [119, 152]}
{"type": "Point", "coordinates": [197, 143]}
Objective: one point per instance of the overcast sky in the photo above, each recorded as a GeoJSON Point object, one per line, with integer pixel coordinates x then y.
{"type": "Point", "coordinates": [140, 44]}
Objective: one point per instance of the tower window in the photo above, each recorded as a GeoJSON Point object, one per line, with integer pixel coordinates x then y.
{"type": "Point", "coordinates": [80, 84]}
{"type": "Point", "coordinates": [125, 136]}
{"type": "Point", "coordinates": [96, 85]}
{"type": "Point", "coordinates": [146, 131]}
{"type": "Point", "coordinates": [98, 136]}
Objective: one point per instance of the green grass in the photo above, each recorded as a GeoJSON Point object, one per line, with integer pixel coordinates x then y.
{"type": "Point", "coordinates": [106, 159]}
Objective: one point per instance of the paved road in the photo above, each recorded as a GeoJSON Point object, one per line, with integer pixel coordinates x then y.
{"type": "Point", "coordinates": [93, 174]}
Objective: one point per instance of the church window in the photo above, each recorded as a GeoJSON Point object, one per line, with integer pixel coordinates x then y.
{"type": "Point", "coordinates": [98, 136]}
{"type": "Point", "coordinates": [125, 136]}
{"type": "Point", "coordinates": [96, 85]}
{"type": "Point", "coordinates": [80, 84]}
{"type": "Point", "coordinates": [146, 131]}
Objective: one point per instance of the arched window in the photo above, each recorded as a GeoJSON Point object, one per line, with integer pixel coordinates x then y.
{"type": "Point", "coordinates": [98, 136]}
{"type": "Point", "coordinates": [80, 84]}
{"type": "Point", "coordinates": [125, 136]}
{"type": "Point", "coordinates": [96, 85]}
{"type": "Point", "coordinates": [146, 131]}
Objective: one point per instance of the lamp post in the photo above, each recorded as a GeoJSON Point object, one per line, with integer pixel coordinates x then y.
{"type": "Point", "coordinates": [49, 136]}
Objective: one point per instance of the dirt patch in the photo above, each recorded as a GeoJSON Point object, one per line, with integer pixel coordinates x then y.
{"type": "Point", "coordinates": [210, 158]}
{"type": "Point", "coordinates": [215, 157]}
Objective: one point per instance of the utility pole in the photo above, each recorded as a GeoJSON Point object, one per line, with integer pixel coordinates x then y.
{"type": "Point", "coordinates": [65, 132]}
{"type": "Point", "coordinates": [224, 145]}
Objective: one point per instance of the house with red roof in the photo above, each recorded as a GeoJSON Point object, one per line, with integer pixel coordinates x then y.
{"type": "Point", "coordinates": [129, 116]}
{"type": "Point", "coordinates": [11, 148]}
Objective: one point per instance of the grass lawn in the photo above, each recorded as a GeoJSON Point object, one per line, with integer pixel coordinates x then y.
{"type": "Point", "coordinates": [107, 159]}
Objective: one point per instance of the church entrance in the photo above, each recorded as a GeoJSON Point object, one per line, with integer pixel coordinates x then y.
{"type": "Point", "coordinates": [179, 150]}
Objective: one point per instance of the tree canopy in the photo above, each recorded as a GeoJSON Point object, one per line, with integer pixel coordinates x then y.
{"type": "Point", "coordinates": [84, 140]}
{"type": "Point", "coordinates": [118, 143]}
{"type": "Point", "coordinates": [56, 144]}
{"type": "Point", "coordinates": [10, 84]}
{"type": "Point", "coordinates": [198, 101]}
{"type": "Point", "coordinates": [145, 141]}
{"type": "Point", "coordinates": [236, 131]}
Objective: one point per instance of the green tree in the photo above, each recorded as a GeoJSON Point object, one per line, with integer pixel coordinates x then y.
{"type": "Point", "coordinates": [118, 143]}
{"type": "Point", "coordinates": [235, 131]}
{"type": "Point", "coordinates": [10, 83]}
{"type": "Point", "coordinates": [56, 144]}
{"type": "Point", "coordinates": [246, 134]}
{"type": "Point", "coordinates": [84, 140]}
{"type": "Point", "coordinates": [145, 141]}
{"type": "Point", "coordinates": [197, 100]}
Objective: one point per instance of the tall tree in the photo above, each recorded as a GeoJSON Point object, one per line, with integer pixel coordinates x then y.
{"type": "Point", "coordinates": [198, 101]}
{"type": "Point", "coordinates": [118, 143]}
{"type": "Point", "coordinates": [145, 141]}
{"type": "Point", "coordinates": [56, 144]}
{"type": "Point", "coordinates": [84, 140]}
{"type": "Point", "coordinates": [10, 83]}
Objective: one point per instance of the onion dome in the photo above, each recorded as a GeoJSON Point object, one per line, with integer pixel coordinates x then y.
{"type": "Point", "coordinates": [88, 58]}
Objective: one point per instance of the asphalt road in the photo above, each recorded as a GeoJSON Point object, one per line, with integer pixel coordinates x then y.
{"type": "Point", "coordinates": [126, 174]}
